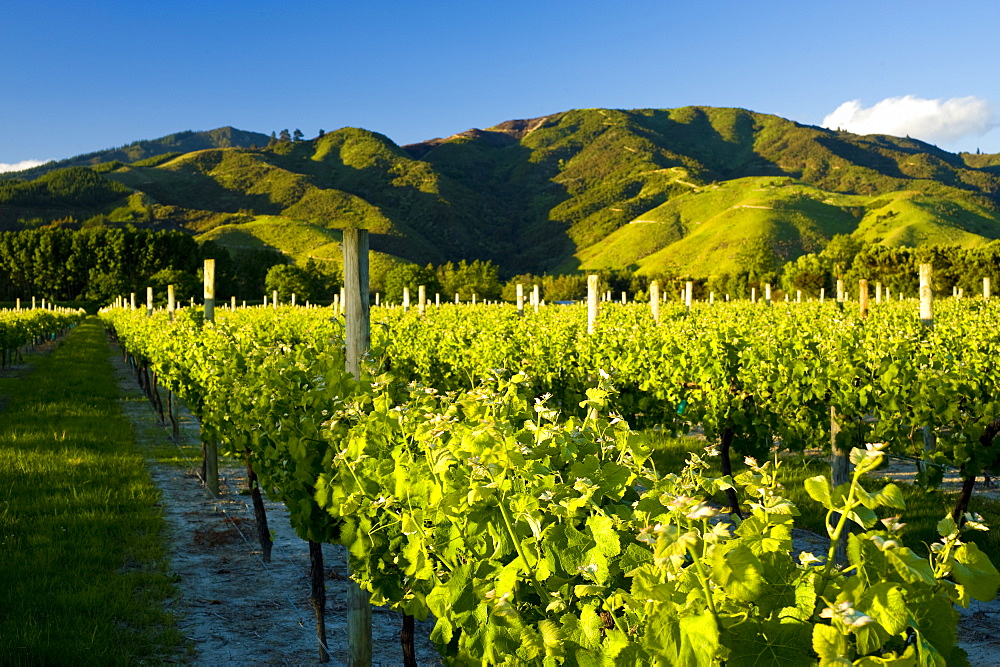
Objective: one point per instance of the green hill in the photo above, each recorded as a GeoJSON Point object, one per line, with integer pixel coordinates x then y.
{"type": "Point", "coordinates": [689, 190]}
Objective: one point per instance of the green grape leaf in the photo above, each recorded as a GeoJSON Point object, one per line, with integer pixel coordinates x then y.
{"type": "Point", "coordinates": [829, 644]}
{"type": "Point", "coordinates": [739, 572]}
{"type": "Point", "coordinates": [891, 496]}
{"type": "Point", "coordinates": [818, 488]}
{"type": "Point", "coordinates": [911, 567]}
{"type": "Point", "coordinates": [974, 570]}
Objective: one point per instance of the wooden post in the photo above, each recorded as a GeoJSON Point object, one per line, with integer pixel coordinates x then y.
{"type": "Point", "coordinates": [209, 291]}
{"type": "Point", "coordinates": [265, 301]}
{"type": "Point", "coordinates": [232, 303]}
{"type": "Point", "coordinates": [654, 300]}
{"type": "Point", "coordinates": [798, 296]}
{"type": "Point", "coordinates": [406, 299]}
{"type": "Point", "coordinates": [457, 299]}
{"type": "Point", "coordinates": [211, 445]}
{"type": "Point", "coordinates": [473, 298]}
{"type": "Point", "coordinates": [520, 299]}
{"type": "Point", "coordinates": [822, 294]}
{"type": "Point", "coordinates": [536, 300]}
{"type": "Point", "coordinates": [18, 304]}
{"type": "Point", "coordinates": [33, 306]}
{"type": "Point", "coordinates": [926, 296]}
{"type": "Point", "coordinates": [377, 298]}
{"type": "Point", "coordinates": [293, 298]}
{"type": "Point", "coordinates": [863, 297]}
{"type": "Point", "coordinates": [688, 295]}
{"type": "Point", "coordinates": [753, 295]}
{"type": "Point", "coordinates": [355, 244]}
{"type": "Point", "coordinates": [422, 299]}
{"type": "Point", "coordinates": [840, 293]}
{"type": "Point", "coordinates": [986, 289]}
{"type": "Point", "coordinates": [149, 302]}
{"type": "Point", "coordinates": [131, 301]}
{"type": "Point", "coordinates": [878, 292]}
{"type": "Point", "coordinates": [592, 307]}
{"type": "Point", "coordinates": [624, 298]}
{"type": "Point", "coordinates": [711, 297]}
{"type": "Point", "coordinates": [767, 293]}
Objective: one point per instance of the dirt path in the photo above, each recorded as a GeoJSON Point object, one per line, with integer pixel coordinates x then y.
{"type": "Point", "coordinates": [232, 607]}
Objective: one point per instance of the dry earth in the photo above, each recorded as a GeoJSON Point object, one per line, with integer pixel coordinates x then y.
{"type": "Point", "coordinates": [232, 607]}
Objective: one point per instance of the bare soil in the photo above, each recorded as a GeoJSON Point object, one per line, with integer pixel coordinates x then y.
{"type": "Point", "coordinates": [231, 606]}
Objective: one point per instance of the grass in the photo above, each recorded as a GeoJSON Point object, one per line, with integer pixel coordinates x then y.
{"type": "Point", "coordinates": [924, 508]}
{"type": "Point", "coordinates": [85, 575]}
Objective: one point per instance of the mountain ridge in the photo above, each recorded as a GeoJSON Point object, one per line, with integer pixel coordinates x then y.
{"type": "Point", "coordinates": [690, 190]}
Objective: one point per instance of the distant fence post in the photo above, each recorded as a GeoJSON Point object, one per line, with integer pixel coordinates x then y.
{"type": "Point", "coordinates": [863, 297]}
{"type": "Point", "coordinates": [592, 306]}
{"type": "Point", "coordinates": [926, 295]}
{"type": "Point", "coordinates": [986, 289]}
{"type": "Point", "coordinates": [654, 300]}
{"type": "Point", "coordinates": [149, 302]}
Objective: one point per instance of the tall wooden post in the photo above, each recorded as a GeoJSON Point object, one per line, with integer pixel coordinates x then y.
{"type": "Point", "coordinates": [688, 295]}
{"type": "Point", "coordinates": [131, 301]}
{"type": "Point", "coordinates": [840, 293]}
{"type": "Point", "coordinates": [355, 244]}
{"type": "Point", "coordinates": [274, 299]}
{"type": "Point", "coordinates": [422, 299]}
{"type": "Point", "coordinates": [520, 299]}
{"type": "Point", "coordinates": [171, 302]}
{"type": "Point", "coordinates": [624, 298]}
{"type": "Point", "coordinates": [822, 294]}
{"type": "Point", "coordinates": [986, 289]}
{"type": "Point", "coordinates": [863, 297]}
{"type": "Point", "coordinates": [767, 293]}
{"type": "Point", "coordinates": [878, 292]}
{"type": "Point", "coordinates": [211, 445]}
{"type": "Point", "coordinates": [926, 296]}
{"type": "Point", "coordinates": [654, 299]}
{"type": "Point", "coordinates": [406, 299]}
{"type": "Point", "coordinates": [592, 306]}
{"type": "Point", "coordinates": [535, 298]}
{"type": "Point", "coordinates": [753, 295]}
{"type": "Point", "coordinates": [149, 302]}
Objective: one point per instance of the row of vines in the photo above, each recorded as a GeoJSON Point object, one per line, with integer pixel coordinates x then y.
{"type": "Point", "coordinates": [19, 328]}
{"type": "Point", "coordinates": [495, 471]}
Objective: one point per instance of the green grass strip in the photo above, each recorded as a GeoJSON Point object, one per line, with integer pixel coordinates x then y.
{"type": "Point", "coordinates": [84, 573]}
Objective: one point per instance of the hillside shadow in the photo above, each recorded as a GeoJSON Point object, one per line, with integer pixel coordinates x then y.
{"type": "Point", "coordinates": [694, 134]}
{"type": "Point", "coordinates": [492, 202]}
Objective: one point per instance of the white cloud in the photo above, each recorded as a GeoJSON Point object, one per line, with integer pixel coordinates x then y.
{"type": "Point", "coordinates": [935, 121]}
{"type": "Point", "coordinates": [20, 166]}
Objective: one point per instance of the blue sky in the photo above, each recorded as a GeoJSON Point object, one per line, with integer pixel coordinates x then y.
{"type": "Point", "coordinates": [86, 75]}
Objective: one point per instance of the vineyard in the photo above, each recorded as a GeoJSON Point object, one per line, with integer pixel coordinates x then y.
{"type": "Point", "coordinates": [501, 473]}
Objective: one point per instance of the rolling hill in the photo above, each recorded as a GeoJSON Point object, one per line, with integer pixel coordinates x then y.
{"type": "Point", "coordinates": [686, 190]}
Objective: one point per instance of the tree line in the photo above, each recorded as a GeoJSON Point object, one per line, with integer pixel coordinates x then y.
{"type": "Point", "coordinates": [98, 264]}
